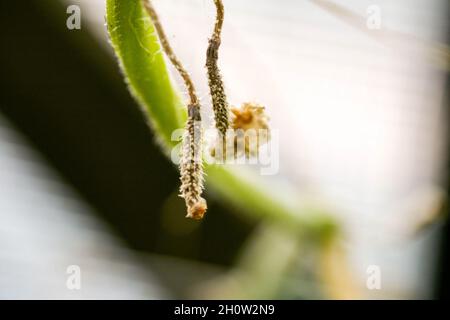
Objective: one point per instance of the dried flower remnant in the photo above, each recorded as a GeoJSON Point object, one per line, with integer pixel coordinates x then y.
{"type": "Point", "coordinates": [191, 163]}
{"type": "Point", "coordinates": [250, 116]}
{"type": "Point", "coordinates": [249, 130]}
{"type": "Point", "coordinates": [250, 126]}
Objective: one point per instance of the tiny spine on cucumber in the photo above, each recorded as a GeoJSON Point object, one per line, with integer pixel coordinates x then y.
{"type": "Point", "coordinates": [216, 86]}
{"type": "Point", "coordinates": [191, 163]}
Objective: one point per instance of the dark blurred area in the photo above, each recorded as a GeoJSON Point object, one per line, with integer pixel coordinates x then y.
{"type": "Point", "coordinates": [65, 93]}
{"type": "Point", "coordinates": [442, 279]}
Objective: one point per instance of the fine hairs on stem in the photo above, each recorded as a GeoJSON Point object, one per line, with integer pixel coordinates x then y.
{"type": "Point", "coordinates": [169, 52]}
{"type": "Point", "coordinates": [216, 86]}
{"type": "Point", "coordinates": [191, 165]}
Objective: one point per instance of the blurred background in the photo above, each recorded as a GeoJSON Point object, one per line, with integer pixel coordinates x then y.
{"type": "Point", "coordinates": [361, 106]}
